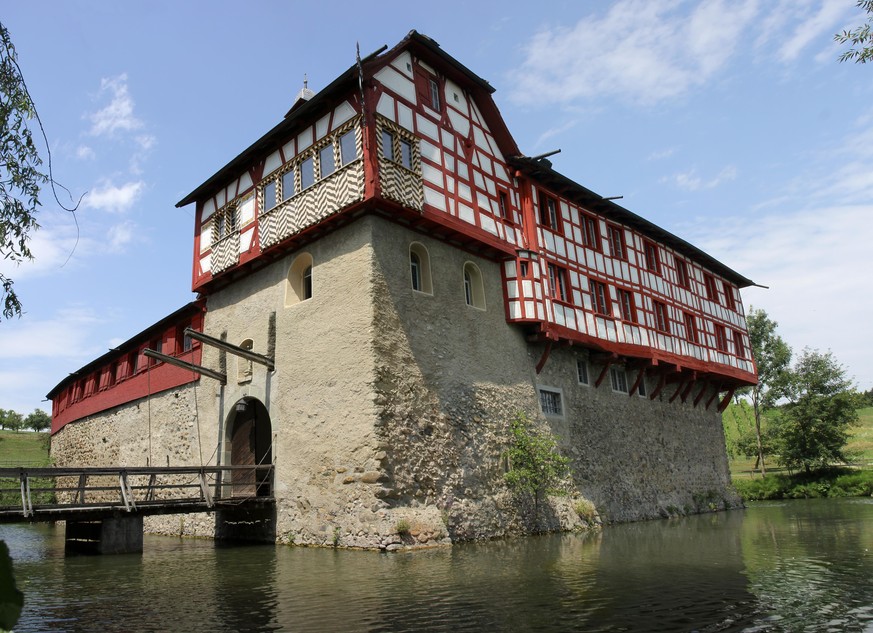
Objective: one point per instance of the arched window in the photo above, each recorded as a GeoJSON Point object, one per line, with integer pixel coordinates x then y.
{"type": "Point", "coordinates": [474, 291]}
{"type": "Point", "coordinates": [419, 268]}
{"type": "Point", "coordinates": [244, 365]}
{"type": "Point", "coordinates": [299, 285]}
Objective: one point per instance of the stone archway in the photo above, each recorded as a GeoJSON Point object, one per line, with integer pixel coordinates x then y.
{"type": "Point", "coordinates": [250, 443]}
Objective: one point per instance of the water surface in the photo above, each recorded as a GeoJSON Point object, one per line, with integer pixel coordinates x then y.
{"type": "Point", "coordinates": [787, 566]}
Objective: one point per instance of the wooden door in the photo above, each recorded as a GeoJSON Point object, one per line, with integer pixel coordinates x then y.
{"type": "Point", "coordinates": [243, 444]}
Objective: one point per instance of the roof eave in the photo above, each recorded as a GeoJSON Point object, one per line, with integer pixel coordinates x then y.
{"type": "Point", "coordinates": [541, 170]}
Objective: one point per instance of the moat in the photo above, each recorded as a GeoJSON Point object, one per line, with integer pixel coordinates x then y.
{"type": "Point", "coordinates": [780, 566]}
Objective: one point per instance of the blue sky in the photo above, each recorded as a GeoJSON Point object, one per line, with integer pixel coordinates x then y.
{"type": "Point", "coordinates": [730, 123]}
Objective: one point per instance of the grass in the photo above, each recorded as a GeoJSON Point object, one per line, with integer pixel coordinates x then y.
{"type": "Point", "coordinates": [780, 484]}
{"type": "Point", "coordinates": [837, 482]}
{"type": "Point", "coordinates": [23, 449]}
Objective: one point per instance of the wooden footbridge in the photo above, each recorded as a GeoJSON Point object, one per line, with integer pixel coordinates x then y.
{"type": "Point", "coordinates": [104, 506]}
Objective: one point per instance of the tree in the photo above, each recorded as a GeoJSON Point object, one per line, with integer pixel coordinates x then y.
{"type": "Point", "coordinates": [772, 357]}
{"type": "Point", "coordinates": [536, 466]}
{"type": "Point", "coordinates": [812, 429]}
{"type": "Point", "coordinates": [39, 420]}
{"type": "Point", "coordinates": [11, 420]}
{"type": "Point", "coordinates": [860, 37]}
{"type": "Point", "coordinates": [20, 177]}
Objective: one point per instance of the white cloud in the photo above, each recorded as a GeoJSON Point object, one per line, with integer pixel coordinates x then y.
{"type": "Point", "coordinates": [114, 199]}
{"type": "Point", "coordinates": [641, 51]}
{"type": "Point", "coordinates": [118, 114]}
{"type": "Point", "coordinates": [64, 335]}
{"type": "Point", "coordinates": [121, 235]}
{"type": "Point", "coordinates": [690, 181]}
{"type": "Point", "coordinates": [812, 25]}
{"type": "Point", "coordinates": [661, 154]}
{"type": "Point", "coordinates": [815, 264]}
{"type": "Point", "coordinates": [83, 152]}
{"type": "Point", "coordinates": [51, 247]}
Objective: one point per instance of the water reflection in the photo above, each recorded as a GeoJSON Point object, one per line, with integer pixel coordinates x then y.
{"type": "Point", "coordinates": [775, 567]}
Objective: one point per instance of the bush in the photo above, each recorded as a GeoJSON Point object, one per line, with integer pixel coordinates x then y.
{"type": "Point", "coordinates": [837, 482]}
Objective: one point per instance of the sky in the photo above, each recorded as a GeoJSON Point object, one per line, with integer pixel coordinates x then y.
{"type": "Point", "coordinates": [730, 123]}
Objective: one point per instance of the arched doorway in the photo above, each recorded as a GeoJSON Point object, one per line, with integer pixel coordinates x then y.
{"type": "Point", "coordinates": [250, 443]}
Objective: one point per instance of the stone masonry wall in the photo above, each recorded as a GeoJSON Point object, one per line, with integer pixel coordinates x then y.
{"type": "Point", "coordinates": [390, 409]}
{"type": "Point", "coordinates": [154, 431]}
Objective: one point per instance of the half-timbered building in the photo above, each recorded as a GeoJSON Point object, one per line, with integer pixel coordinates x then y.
{"type": "Point", "coordinates": [415, 282]}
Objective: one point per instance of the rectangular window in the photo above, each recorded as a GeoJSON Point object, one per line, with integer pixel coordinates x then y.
{"type": "Point", "coordinates": [661, 322]}
{"type": "Point", "coordinates": [628, 309]}
{"type": "Point", "coordinates": [709, 284]}
{"type": "Point", "coordinates": [641, 389]}
{"type": "Point", "coordinates": [691, 333]}
{"type": "Point", "coordinates": [682, 274]}
{"type": "Point", "coordinates": [348, 147]}
{"type": "Point", "coordinates": [503, 205]}
{"type": "Point", "coordinates": [406, 153]}
{"type": "Point", "coordinates": [653, 262]}
{"type": "Point", "coordinates": [434, 94]}
{"type": "Point", "coordinates": [387, 145]}
{"type": "Point", "coordinates": [220, 226]}
{"type": "Point", "coordinates": [558, 282]}
{"type": "Point", "coordinates": [548, 211]}
{"type": "Point", "coordinates": [550, 402]}
{"type": "Point", "coordinates": [582, 371]}
{"type": "Point", "coordinates": [729, 296]}
{"type": "Point", "coordinates": [720, 338]}
{"type": "Point", "coordinates": [618, 378]}
{"type": "Point", "coordinates": [599, 297]}
{"type": "Point", "coordinates": [326, 161]}
{"type": "Point", "coordinates": [269, 195]}
{"type": "Point", "coordinates": [616, 242]}
{"type": "Point", "coordinates": [287, 184]}
{"type": "Point", "coordinates": [739, 345]}
{"type": "Point", "coordinates": [590, 234]}
{"type": "Point", "coordinates": [307, 173]}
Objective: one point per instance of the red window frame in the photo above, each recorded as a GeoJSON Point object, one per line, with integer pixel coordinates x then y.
{"type": "Point", "coordinates": [504, 205]}
{"type": "Point", "coordinates": [739, 345]}
{"type": "Point", "coordinates": [691, 331]}
{"type": "Point", "coordinates": [728, 296]}
{"type": "Point", "coordinates": [651, 256]}
{"type": "Point", "coordinates": [617, 245]}
{"type": "Point", "coordinates": [682, 273]}
{"type": "Point", "coordinates": [590, 232]}
{"type": "Point", "coordinates": [662, 320]}
{"type": "Point", "coordinates": [599, 297]}
{"type": "Point", "coordinates": [626, 304]}
{"type": "Point", "coordinates": [721, 338]}
{"type": "Point", "coordinates": [558, 286]}
{"type": "Point", "coordinates": [428, 89]}
{"type": "Point", "coordinates": [709, 285]}
{"type": "Point", "coordinates": [546, 218]}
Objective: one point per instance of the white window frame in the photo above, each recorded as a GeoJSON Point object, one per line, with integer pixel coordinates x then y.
{"type": "Point", "coordinates": [582, 364]}
{"type": "Point", "coordinates": [618, 379]}
{"type": "Point", "coordinates": [552, 391]}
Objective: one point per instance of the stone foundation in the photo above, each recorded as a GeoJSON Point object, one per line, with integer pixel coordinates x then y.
{"type": "Point", "coordinates": [389, 410]}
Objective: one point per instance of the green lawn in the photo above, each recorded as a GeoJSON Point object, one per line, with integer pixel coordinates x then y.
{"type": "Point", "coordinates": [23, 449]}
{"type": "Point", "coordinates": [738, 418]}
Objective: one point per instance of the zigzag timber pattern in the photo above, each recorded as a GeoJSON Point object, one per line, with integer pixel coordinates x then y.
{"type": "Point", "coordinates": [325, 198]}
{"type": "Point", "coordinates": [225, 253]}
{"type": "Point", "coordinates": [399, 183]}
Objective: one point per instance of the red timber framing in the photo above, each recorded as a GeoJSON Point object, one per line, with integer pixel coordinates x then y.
{"type": "Point", "coordinates": [435, 155]}
{"type": "Point", "coordinates": [124, 374]}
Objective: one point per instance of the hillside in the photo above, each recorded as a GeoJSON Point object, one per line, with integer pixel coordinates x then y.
{"type": "Point", "coordinates": [23, 449]}
{"type": "Point", "coordinates": [738, 419]}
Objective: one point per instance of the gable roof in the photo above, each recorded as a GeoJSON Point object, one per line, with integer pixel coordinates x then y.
{"type": "Point", "coordinates": [304, 110]}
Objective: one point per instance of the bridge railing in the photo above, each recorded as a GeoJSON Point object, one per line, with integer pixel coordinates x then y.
{"type": "Point", "coordinates": [27, 492]}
